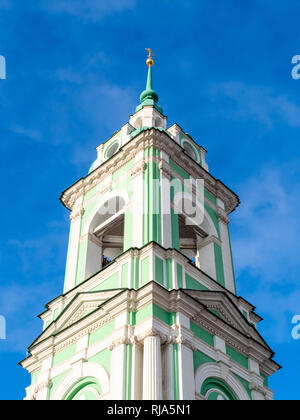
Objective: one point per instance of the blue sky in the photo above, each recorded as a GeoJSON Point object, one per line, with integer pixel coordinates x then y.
{"type": "Point", "coordinates": [75, 70]}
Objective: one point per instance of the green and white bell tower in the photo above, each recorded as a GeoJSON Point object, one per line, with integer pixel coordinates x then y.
{"type": "Point", "coordinates": [149, 308]}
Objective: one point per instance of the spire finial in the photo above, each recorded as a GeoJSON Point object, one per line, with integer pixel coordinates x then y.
{"type": "Point", "coordinates": [149, 97]}
{"type": "Point", "coordinates": [149, 61]}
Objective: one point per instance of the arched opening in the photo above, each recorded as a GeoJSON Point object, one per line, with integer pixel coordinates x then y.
{"type": "Point", "coordinates": [197, 234]}
{"type": "Point", "coordinates": [106, 235]}
{"type": "Point", "coordinates": [189, 151]}
{"type": "Point", "coordinates": [216, 390]}
{"type": "Point", "coordinates": [138, 122]}
{"type": "Point", "coordinates": [112, 150]}
{"type": "Point", "coordinates": [87, 389]}
{"type": "Point", "coordinates": [189, 237]}
{"type": "Point", "coordinates": [158, 122]}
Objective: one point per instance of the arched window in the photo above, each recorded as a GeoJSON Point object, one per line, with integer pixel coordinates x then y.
{"type": "Point", "coordinates": [197, 234]}
{"type": "Point", "coordinates": [158, 122]}
{"type": "Point", "coordinates": [112, 149]}
{"type": "Point", "coordinates": [106, 235]}
{"type": "Point", "coordinates": [138, 122]}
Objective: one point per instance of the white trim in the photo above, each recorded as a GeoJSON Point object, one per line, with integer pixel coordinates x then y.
{"type": "Point", "coordinates": [213, 370]}
{"type": "Point", "coordinates": [105, 198]}
{"type": "Point", "coordinates": [88, 370]}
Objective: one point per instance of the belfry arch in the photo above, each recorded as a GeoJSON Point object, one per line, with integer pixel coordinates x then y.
{"type": "Point", "coordinates": [105, 233]}
{"type": "Point", "coordinates": [197, 234]}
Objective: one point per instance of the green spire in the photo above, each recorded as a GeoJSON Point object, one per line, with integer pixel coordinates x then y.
{"type": "Point", "coordinates": [149, 93]}
{"type": "Point", "coordinates": [149, 96]}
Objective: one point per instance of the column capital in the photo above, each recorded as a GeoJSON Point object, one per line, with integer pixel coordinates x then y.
{"type": "Point", "coordinates": [258, 388]}
{"type": "Point", "coordinates": [185, 342]}
{"type": "Point", "coordinates": [222, 215]}
{"type": "Point", "coordinates": [165, 169]}
{"type": "Point", "coordinates": [153, 333]}
{"type": "Point", "coordinates": [76, 213]}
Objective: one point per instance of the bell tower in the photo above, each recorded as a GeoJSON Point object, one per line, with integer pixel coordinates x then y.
{"type": "Point", "coordinates": [149, 308]}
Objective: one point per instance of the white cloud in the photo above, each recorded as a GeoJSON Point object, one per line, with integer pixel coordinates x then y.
{"type": "Point", "coordinates": [30, 133]}
{"type": "Point", "coordinates": [259, 103]}
{"type": "Point", "coordinates": [87, 9]}
{"type": "Point", "coordinates": [265, 241]}
{"type": "Point", "coordinates": [267, 224]}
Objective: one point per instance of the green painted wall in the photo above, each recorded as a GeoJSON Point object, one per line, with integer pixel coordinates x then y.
{"type": "Point", "coordinates": [101, 333]}
{"type": "Point", "coordinates": [237, 357]}
{"type": "Point", "coordinates": [219, 265]}
{"type": "Point", "coordinates": [193, 284]}
{"type": "Point", "coordinates": [63, 355]}
{"type": "Point", "coordinates": [179, 276]}
{"type": "Point", "coordinates": [125, 275]}
{"type": "Point", "coordinates": [202, 334]}
{"type": "Point", "coordinates": [153, 310]}
{"type": "Point", "coordinates": [103, 358]}
{"type": "Point", "coordinates": [200, 359]}
{"type": "Point", "coordinates": [152, 199]}
{"type": "Point", "coordinates": [159, 270]}
{"type": "Point", "coordinates": [110, 283]}
{"type": "Point", "coordinates": [145, 271]}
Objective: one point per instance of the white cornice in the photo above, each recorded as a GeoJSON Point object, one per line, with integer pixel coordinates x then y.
{"type": "Point", "coordinates": [161, 141]}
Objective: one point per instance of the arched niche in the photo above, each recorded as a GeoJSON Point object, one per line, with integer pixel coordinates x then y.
{"type": "Point", "coordinates": [105, 233]}
{"type": "Point", "coordinates": [197, 233]}
{"type": "Point", "coordinates": [93, 377]}
{"type": "Point", "coordinates": [210, 376]}
{"type": "Point", "coordinates": [87, 389]}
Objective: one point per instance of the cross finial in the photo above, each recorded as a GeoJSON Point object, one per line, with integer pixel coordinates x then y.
{"type": "Point", "coordinates": [149, 61]}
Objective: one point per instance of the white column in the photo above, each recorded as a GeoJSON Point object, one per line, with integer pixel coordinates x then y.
{"type": "Point", "coordinates": [226, 251]}
{"type": "Point", "coordinates": [137, 372]}
{"type": "Point", "coordinates": [152, 369]}
{"type": "Point", "coordinates": [186, 372]}
{"type": "Point", "coordinates": [71, 268]}
{"type": "Point", "coordinates": [94, 257]}
{"type": "Point", "coordinates": [168, 372]}
{"type": "Point", "coordinates": [117, 375]}
{"type": "Point", "coordinates": [206, 257]}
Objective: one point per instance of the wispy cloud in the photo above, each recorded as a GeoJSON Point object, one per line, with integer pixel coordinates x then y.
{"type": "Point", "coordinates": [40, 259]}
{"type": "Point", "coordinates": [268, 230]}
{"type": "Point", "coordinates": [88, 9]}
{"type": "Point", "coordinates": [258, 103]}
{"type": "Point", "coordinates": [32, 134]}
{"type": "Point", "coordinates": [266, 245]}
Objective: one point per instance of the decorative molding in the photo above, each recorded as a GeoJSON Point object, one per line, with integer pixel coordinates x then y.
{"type": "Point", "coordinates": [165, 169]}
{"type": "Point", "coordinates": [163, 142]}
{"type": "Point", "coordinates": [138, 168]}
{"type": "Point", "coordinates": [185, 342]}
{"type": "Point", "coordinates": [82, 333]}
{"type": "Point", "coordinates": [77, 213]}
{"type": "Point", "coordinates": [84, 307]}
{"type": "Point", "coordinates": [222, 215]}
{"type": "Point", "coordinates": [258, 388]}
{"type": "Point", "coordinates": [217, 331]}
